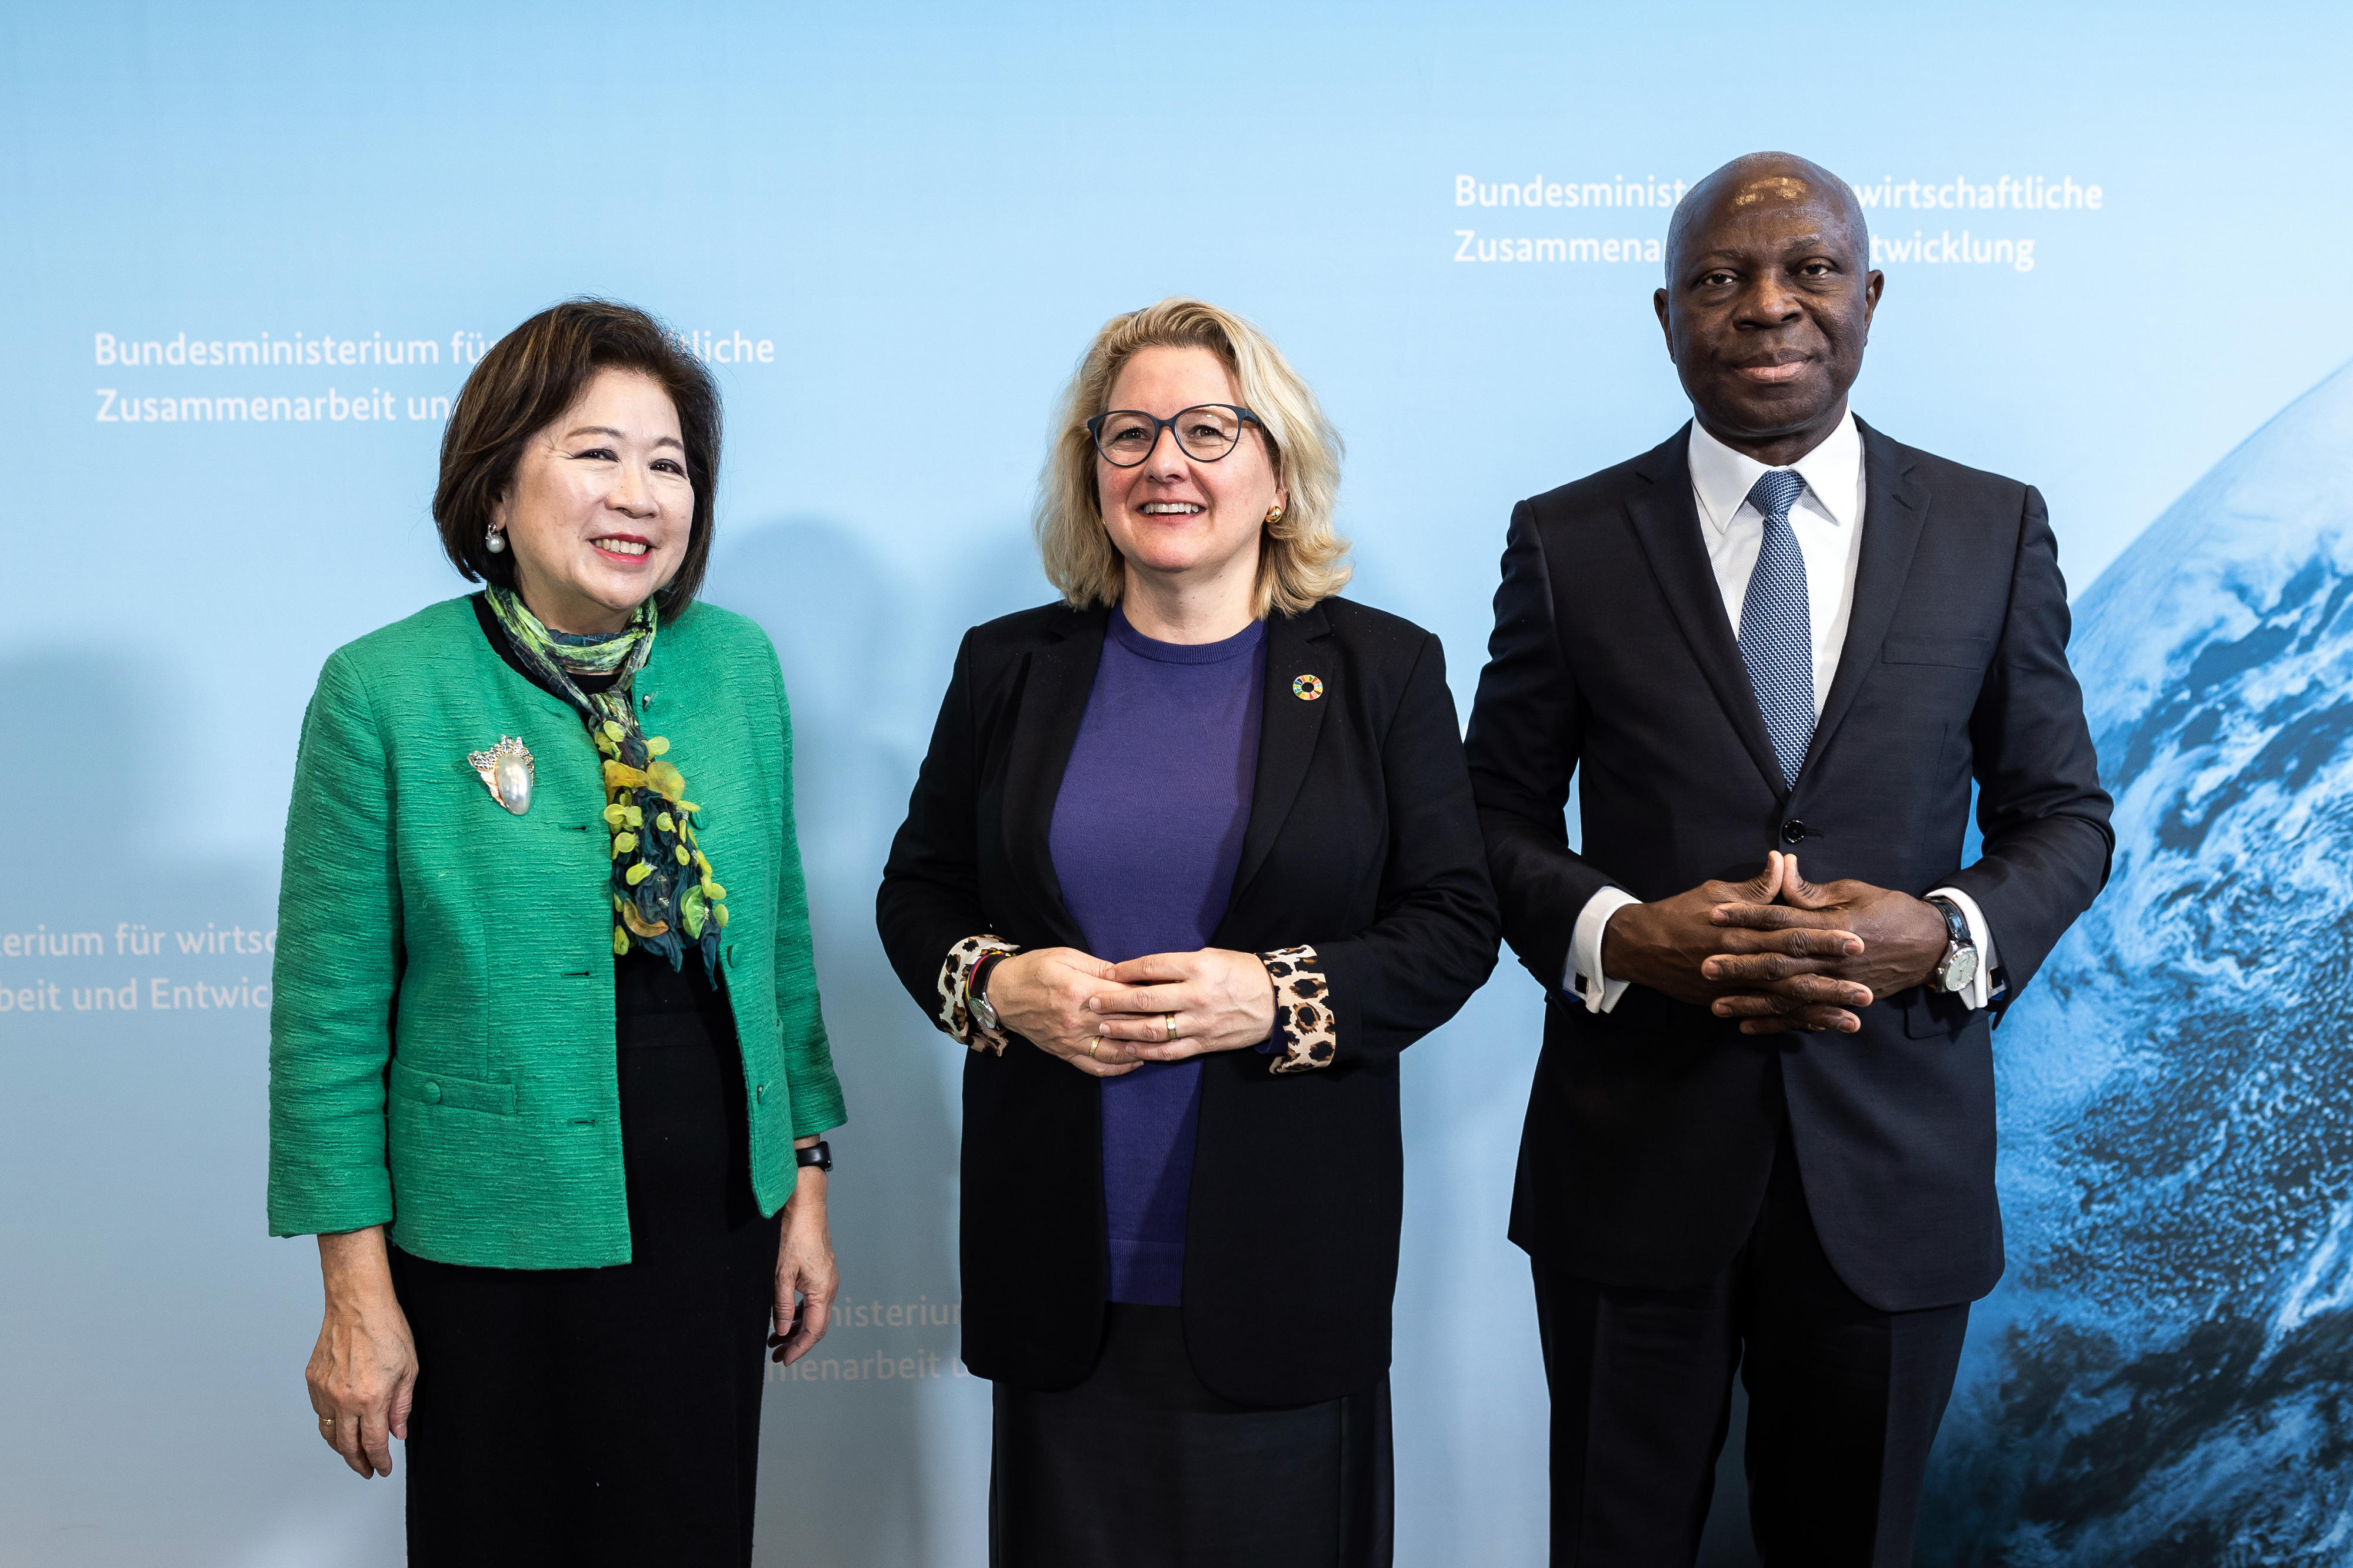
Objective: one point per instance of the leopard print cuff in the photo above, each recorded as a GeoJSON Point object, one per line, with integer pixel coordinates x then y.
{"type": "Point", "coordinates": [1306, 1034]}
{"type": "Point", "coordinates": [955, 1017]}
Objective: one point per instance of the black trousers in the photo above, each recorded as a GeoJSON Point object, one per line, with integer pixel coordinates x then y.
{"type": "Point", "coordinates": [1142, 1466]}
{"type": "Point", "coordinates": [580, 1416]}
{"type": "Point", "coordinates": [1844, 1403]}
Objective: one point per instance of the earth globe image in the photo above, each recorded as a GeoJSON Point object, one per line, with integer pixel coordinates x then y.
{"type": "Point", "coordinates": [2166, 1375]}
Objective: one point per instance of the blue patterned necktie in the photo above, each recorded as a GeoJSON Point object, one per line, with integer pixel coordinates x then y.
{"type": "Point", "coordinates": [1776, 632]}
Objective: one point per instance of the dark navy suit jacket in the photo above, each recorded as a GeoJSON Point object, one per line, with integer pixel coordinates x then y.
{"type": "Point", "coordinates": [1650, 1129]}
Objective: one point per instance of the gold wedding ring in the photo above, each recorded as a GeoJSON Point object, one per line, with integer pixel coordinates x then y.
{"type": "Point", "coordinates": [1093, 1047]}
{"type": "Point", "coordinates": [326, 1423]}
{"type": "Point", "coordinates": [1168, 1021]}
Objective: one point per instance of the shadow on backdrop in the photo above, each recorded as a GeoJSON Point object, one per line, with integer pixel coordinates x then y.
{"type": "Point", "coordinates": [870, 1470]}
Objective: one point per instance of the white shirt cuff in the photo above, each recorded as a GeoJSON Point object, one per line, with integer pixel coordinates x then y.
{"type": "Point", "coordinates": [1981, 991]}
{"type": "Point", "coordinates": [1584, 977]}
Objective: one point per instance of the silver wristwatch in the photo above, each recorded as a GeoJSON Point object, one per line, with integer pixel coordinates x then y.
{"type": "Point", "coordinates": [1960, 966]}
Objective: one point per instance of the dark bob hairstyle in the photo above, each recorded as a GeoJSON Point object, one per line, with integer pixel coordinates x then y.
{"type": "Point", "coordinates": [526, 381]}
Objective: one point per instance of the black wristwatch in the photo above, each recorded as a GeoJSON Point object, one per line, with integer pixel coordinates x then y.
{"type": "Point", "coordinates": [818, 1153]}
{"type": "Point", "coordinates": [976, 991]}
{"type": "Point", "coordinates": [1960, 966]}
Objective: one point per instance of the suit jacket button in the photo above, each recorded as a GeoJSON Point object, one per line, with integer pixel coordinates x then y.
{"type": "Point", "coordinates": [1793, 832]}
{"type": "Point", "coordinates": [429, 1092]}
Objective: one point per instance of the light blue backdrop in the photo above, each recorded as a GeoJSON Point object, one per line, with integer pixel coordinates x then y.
{"type": "Point", "coordinates": [923, 213]}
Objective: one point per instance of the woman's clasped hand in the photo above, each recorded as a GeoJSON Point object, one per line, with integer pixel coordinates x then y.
{"type": "Point", "coordinates": [1105, 1018]}
{"type": "Point", "coordinates": [1171, 1005]}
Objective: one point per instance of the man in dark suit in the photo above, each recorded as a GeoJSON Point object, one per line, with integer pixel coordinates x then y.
{"type": "Point", "coordinates": [1761, 1134]}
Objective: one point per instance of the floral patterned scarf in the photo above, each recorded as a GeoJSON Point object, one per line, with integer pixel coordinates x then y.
{"type": "Point", "coordinates": [665, 899]}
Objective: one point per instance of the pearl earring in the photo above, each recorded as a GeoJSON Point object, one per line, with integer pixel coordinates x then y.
{"type": "Point", "coordinates": [496, 542]}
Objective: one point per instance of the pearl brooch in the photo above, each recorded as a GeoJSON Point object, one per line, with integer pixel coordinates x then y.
{"type": "Point", "coordinates": [506, 773]}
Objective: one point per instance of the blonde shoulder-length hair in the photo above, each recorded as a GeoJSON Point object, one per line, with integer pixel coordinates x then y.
{"type": "Point", "coordinates": [1300, 554]}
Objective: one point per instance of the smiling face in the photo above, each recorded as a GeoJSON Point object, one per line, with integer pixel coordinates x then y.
{"type": "Point", "coordinates": [601, 507]}
{"type": "Point", "coordinates": [1173, 517]}
{"type": "Point", "coordinates": [1767, 304]}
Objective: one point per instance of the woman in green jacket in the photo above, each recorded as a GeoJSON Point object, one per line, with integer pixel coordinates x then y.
{"type": "Point", "coordinates": [547, 1069]}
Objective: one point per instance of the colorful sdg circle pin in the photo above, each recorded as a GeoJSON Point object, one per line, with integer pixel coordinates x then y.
{"type": "Point", "coordinates": [1307, 688]}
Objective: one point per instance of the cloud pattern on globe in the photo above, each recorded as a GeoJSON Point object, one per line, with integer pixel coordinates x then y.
{"type": "Point", "coordinates": [2166, 1377]}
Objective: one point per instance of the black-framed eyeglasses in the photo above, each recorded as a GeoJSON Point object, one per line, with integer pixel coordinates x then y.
{"type": "Point", "coordinates": [1126, 437]}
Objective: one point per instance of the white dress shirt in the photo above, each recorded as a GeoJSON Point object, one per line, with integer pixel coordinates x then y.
{"type": "Point", "coordinates": [1828, 522]}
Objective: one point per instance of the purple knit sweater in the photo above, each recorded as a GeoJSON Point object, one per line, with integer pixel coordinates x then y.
{"type": "Point", "coordinates": [1147, 831]}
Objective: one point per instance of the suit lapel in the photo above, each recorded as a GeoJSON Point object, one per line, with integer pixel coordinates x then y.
{"type": "Point", "coordinates": [1053, 700]}
{"type": "Point", "coordinates": [1297, 646]}
{"type": "Point", "coordinates": [1666, 521]}
{"type": "Point", "coordinates": [1894, 510]}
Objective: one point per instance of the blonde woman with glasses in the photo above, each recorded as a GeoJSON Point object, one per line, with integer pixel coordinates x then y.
{"type": "Point", "coordinates": [1192, 858]}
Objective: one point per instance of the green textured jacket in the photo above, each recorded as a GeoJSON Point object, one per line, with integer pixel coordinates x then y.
{"type": "Point", "coordinates": [441, 1042]}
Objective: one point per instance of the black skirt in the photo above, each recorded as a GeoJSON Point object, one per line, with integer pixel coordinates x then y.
{"type": "Point", "coordinates": [1142, 1466]}
{"type": "Point", "coordinates": [610, 1416]}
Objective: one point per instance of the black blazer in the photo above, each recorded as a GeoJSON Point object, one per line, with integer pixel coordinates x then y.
{"type": "Point", "coordinates": [1650, 1129]}
{"type": "Point", "coordinates": [1362, 840]}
